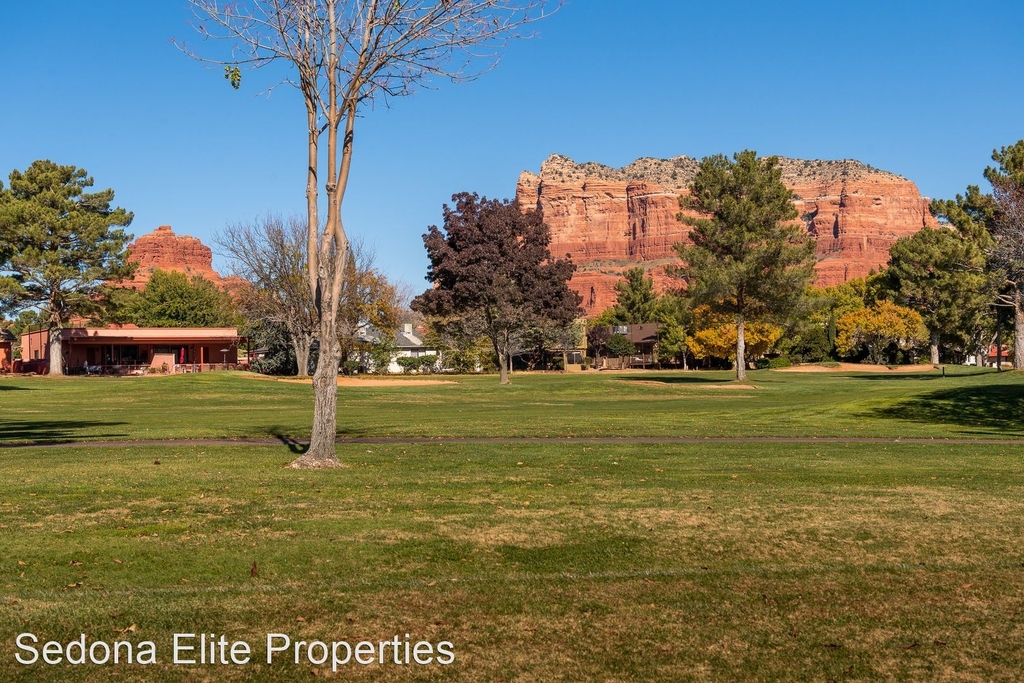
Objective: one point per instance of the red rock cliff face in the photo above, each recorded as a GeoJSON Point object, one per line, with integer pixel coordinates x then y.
{"type": "Point", "coordinates": [162, 249]}
{"type": "Point", "coordinates": [612, 219]}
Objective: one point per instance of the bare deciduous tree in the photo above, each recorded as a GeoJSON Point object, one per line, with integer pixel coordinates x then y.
{"type": "Point", "coordinates": [269, 255]}
{"type": "Point", "coordinates": [342, 55]}
{"type": "Point", "coordinates": [1008, 256]}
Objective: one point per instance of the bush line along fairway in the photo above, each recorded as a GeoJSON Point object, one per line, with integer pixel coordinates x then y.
{"type": "Point", "coordinates": [539, 561]}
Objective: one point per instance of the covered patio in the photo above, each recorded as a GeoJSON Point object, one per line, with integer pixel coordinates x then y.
{"type": "Point", "coordinates": [129, 350]}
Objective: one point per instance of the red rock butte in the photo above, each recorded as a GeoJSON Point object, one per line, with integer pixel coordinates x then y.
{"type": "Point", "coordinates": [610, 219]}
{"type": "Point", "coordinates": [163, 250]}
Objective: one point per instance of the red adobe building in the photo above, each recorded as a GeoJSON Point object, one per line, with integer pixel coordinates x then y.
{"type": "Point", "coordinates": [127, 349]}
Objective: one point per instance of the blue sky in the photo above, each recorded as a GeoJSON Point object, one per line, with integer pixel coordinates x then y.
{"type": "Point", "coordinates": [923, 89]}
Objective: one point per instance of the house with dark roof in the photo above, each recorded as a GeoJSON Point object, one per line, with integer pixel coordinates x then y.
{"type": "Point", "coordinates": [644, 337]}
{"type": "Point", "coordinates": [410, 345]}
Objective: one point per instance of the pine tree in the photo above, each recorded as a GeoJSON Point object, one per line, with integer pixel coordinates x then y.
{"type": "Point", "coordinates": [62, 246]}
{"type": "Point", "coordinates": [747, 258]}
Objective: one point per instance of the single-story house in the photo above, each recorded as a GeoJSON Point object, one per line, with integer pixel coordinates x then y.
{"type": "Point", "coordinates": [410, 345]}
{"type": "Point", "coordinates": [127, 349]}
{"type": "Point", "coordinates": [644, 337]}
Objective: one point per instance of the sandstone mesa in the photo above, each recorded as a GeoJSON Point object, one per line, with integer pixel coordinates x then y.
{"type": "Point", "coordinates": [163, 250]}
{"type": "Point", "coordinates": [612, 219]}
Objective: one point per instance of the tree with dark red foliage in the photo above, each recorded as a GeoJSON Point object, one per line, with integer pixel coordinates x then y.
{"type": "Point", "coordinates": [491, 265]}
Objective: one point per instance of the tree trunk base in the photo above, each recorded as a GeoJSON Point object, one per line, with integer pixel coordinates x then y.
{"type": "Point", "coordinates": [304, 463]}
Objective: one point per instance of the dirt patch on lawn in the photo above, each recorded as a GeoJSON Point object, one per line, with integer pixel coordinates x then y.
{"type": "Point", "coordinates": [857, 367]}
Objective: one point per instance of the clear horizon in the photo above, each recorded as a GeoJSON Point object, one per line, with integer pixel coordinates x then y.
{"type": "Point", "coordinates": [918, 92]}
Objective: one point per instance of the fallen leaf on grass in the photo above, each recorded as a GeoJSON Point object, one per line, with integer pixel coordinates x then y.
{"type": "Point", "coordinates": [128, 629]}
{"type": "Point", "coordinates": [938, 642]}
{"type": "Point", "coordinates": [911, 646]}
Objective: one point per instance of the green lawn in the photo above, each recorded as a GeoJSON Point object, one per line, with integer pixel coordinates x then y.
{"type": "Point", "coordinates": [538, 561]}
{"type": "Point", "coordinates": [967, 404]}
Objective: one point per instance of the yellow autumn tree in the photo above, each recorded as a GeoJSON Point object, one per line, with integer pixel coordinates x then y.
{"type": "Point", "coordinates": [716, 336]}
{"type": "Point", "coordinates": [879, 327]}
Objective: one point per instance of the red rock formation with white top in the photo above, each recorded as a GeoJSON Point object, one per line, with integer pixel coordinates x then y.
{"type": "Point", "coordinates": [163, 250]}
{"type": "Point", "coordinates": [609, 219]}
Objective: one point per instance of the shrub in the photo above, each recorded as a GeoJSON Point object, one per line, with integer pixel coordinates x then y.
{"type": "Point", "coordinates": [619, 345]}
{"type": "Point", "coordinates": [408, 364]}
{"type": "Point", "coordinates": [780, 362]}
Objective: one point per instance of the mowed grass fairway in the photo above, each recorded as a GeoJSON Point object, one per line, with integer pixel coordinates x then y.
{"type": "Point", "coordinates": [969, 403]}
{"type": "Point", "coordinates": [538, 561]}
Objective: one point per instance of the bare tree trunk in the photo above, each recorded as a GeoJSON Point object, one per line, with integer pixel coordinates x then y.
{"type": "Point", "coordinates": [741, 349]}
{"type": "Point", "coordinates": [503, 367]}
{"type": "Point", "coordinates": [934, 347]}
{"type": "Point", "coordinates": [322, 453]}
{"type": "Point", "coordinates": [982, 352]}
{"type": "Point", "coordinates": [301, 347]}
{"type": "Point", "coordinates": [56, 354]}
{"type": "Point", "coordinates": [1018, 331]}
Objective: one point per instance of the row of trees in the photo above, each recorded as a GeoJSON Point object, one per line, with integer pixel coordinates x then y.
{"type": "Point", "coordinates": [63, 254]}
{"type": "Point", "coordinates": [746, 277]}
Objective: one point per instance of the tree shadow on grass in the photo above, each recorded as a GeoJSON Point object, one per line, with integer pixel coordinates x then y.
{"type": "Point", "coordinates": [22, 432]}
{"type": "Point", "coordinates": [293, 444]}
{"type": "Point", "coordinates": [297, 446]}
{"type": "Point", "coordinates": [8, 387]}
{"type": "Point", "coordinates": [988, 410]}
{"type": "Point", "coordinates": [922, 376]}
{"type": "Point", "coordinates": [688, 379]}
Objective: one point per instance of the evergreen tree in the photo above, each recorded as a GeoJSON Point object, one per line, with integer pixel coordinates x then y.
{"type": "Point", "coordinates": [636, 302]}
{"type": "Point", "coordinates": [942, 275]}
{"type": "Point", "coordinates": [1007, 255]}
{"type": "Point", "coordinates": [747, 258]}
{"type": "Point", "coordinates": [996, 223]}
{"type": "Point", "coordinates": [59, 246]}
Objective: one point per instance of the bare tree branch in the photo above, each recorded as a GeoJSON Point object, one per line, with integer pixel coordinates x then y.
{"type": "Point", "coordinates": [344, 55]}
